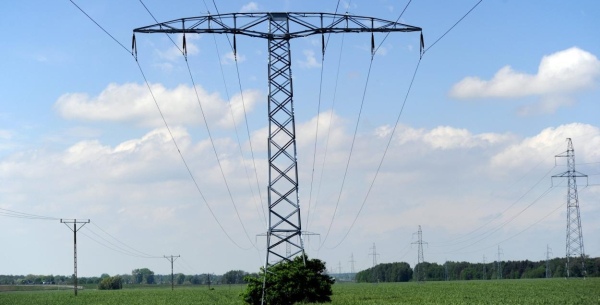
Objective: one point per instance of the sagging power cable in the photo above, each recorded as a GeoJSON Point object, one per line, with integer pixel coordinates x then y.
{"type": "Point", "coordinates": [168, 129]}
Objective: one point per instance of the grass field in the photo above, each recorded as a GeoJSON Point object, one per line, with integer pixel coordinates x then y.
{"type": "Point", "coordinates": [554, 291]}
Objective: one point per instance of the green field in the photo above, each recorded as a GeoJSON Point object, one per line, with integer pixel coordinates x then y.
{"type": "Point", "coordinates": [553, 291]}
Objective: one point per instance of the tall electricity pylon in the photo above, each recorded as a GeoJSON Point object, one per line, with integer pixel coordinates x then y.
{"type": "Point", "coordinates": [421, 259]}
{"type": "Point", "coordinates": [352, 261]}
{"type": "Point", "coordinates": [446, 270]}
{"type": "Point", "coordinates": [172, 258]}
{"type": "Point", "coordinates": [283, 200]}
{"type": "Point", "coordinates": [574, 243]}
{"type": "Point", "coordinates": [500, 253]}
{"type": "Point", "coordinates": [74, 229]}
{"type": "Point", "coordinates": [484, 275]}
{"type": "Point", "coordinates": [374, 254]}
{"type": "Point", "coordinates": [548, 253]}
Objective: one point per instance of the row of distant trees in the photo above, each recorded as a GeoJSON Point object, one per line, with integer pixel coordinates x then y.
{"type": "Point", "coordinates": [143, 276]}
{"type": "Point", "coordinates": [402, 272]}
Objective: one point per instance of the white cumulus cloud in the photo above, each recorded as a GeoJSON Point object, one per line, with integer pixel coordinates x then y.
{"type": "Point", "coordinates": [562, 72]}
{"type": "Point", "coordinates": [310, 61]}
{"type": "Point", "coordinates": [249, 7]}
{"type": "Point", "coordinates": [132, 103]}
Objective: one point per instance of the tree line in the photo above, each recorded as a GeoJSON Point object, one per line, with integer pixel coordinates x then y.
{"type": "Point", "coordinates": [525, 269]}
{"type": "Point", "coordinates": [142, 276]}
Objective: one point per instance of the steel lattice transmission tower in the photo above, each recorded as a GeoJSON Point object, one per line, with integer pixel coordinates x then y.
{"type": "Point", "coordinates": [420, 260]}
{"type": "Point", "coordinates": [283, 200]}
{"type": "Point", "coordinates": [374, 254]}
{"type": "Point", "coordinates": [446, 270]}
{"type": "Point", "coordinates": [352, 261]}
{"type": "Point", "coordinates": [484, 273]}
{"type": "Point", "coordinates": [574, 245]}
{"type": "Point", "coordinates": [500, 253]}
{"type": "Point", "coordinates": [548, 253]}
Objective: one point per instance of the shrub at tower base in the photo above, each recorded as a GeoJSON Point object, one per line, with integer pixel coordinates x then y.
{"type": "Point", "coordinates": [291, 282]}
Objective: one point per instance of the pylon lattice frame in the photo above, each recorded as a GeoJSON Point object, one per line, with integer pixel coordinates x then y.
{"type": "Point", "coordinates": [574, 240]}
{"type": "Point", "coordinates": [499, 267]}
{"type": "Point", "coordinates": [421, 277]}
{"type": "Point", "coordinates": [548, 253]}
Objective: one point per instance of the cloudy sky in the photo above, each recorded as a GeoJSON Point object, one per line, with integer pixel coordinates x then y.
{"type": "Point", "coordinates": [470, 161]}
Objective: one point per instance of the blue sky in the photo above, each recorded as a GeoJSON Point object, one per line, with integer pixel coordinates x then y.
{"type": "Point", "coordinates": [491, 103]}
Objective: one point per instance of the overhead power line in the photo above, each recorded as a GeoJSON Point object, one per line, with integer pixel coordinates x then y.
{"type": "Point", "coordinates": [400, 114]}
{"type": "Point", "coordinates": [229, 103]}
{"type": "Point", "coordinates": [497, 216]}
{"type": "Point", "coordinates": [16, 214]}
{"type": "Point", "coordinates": [497, 228]}
{"type": "Point", "coordinates": [239, 79]}
{"type": "Point", "coordinates": [452, 27]}
{"type": "Point", "coordinates": [382, 157]}
{"type": "Point", "coordinates": [324, 47]}
{"type": "Point", "coordinates": [169, 130]}
{"type": "Point", "coordinates": [339, 197]}
{"type": "Point", "coordinates": [330, 123]}
{"type": "Point", "coordinates": [122, 243]}
{"type": "Point", "coordinates": [211, 138]}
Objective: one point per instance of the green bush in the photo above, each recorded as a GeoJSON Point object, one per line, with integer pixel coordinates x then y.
{"type": "Point", "coordinates": [291, 282]}
{"type": "Point", "coordinates": [111, 283]}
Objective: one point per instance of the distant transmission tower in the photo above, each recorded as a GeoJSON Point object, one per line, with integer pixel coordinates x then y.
{"type": "Point", "coordinates": [574, 233]}
{"type": "Point", "coordinates": [352, 261]}
{"type": "Point", "coordinates": [420, 260]}
{"type": "Point", "coordinates": [374, 254]}
{"type": "Point", "coordinates": [340, 268]}
{"type": "Point", "coordinates": [500, 253]}
{"type": "Point", "coordinates": [484, 275]}
{"type": "Point", "coordinates": [548, 253]}
{"type": "Point", "coordinates": [446, 270]}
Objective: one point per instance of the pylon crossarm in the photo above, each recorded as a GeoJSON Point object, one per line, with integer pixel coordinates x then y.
{"type": "Point", "coordinates": [302, 25]}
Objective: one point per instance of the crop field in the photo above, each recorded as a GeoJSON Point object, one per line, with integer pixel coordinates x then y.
{"type": "Point", "coordinates": [554, 291]}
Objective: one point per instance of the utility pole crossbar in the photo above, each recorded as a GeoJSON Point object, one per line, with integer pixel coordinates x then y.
{"type": "Point", "coordinates": [74, 229]}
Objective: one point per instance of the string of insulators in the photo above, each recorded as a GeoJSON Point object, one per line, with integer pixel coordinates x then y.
{"type": "Point", "coordinates": [184, 47]}
{"type": "Point", "coordinates": [372, 40]}
{"type": "Point", "coordinates": [323, 43]}
{"type": "Point", "coordinates": [234, 47]}
{"type": "Point", "coordinates": [422, 45]}
{"type": "Point", "coordinates": [184, 42]}
{"type": "Point", "coordinates": [234, 42]}
{"type": "Point", "coordinates": [133, 47]}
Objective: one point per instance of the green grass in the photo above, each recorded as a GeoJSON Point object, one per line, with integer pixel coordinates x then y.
{"type": "Point", "coordinates": [554, 291]}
